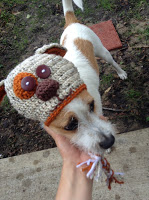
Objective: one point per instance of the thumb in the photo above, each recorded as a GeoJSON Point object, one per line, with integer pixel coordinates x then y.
{"type": "Point", "coordinates": [50, 132]}
{"type": "Point", "coordinates": [59, 139]}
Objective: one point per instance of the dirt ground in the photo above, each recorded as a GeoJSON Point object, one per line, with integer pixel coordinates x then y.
{"type": "Point", "coordinates": [27, 25]}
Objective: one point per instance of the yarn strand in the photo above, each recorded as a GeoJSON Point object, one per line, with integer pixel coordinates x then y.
{"type": "Point", "coordinates": [94, 169]}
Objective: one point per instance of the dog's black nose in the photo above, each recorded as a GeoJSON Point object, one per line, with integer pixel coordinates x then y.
{"type": "Point", "coordinates": [107, 142]}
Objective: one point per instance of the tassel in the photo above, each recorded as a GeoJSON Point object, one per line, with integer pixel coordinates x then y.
{"type": "Point", "coordinates": [94, 169]}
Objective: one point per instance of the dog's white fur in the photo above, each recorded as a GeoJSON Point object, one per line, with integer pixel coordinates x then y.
{"type": "Point", "coordinates": [92, 130]}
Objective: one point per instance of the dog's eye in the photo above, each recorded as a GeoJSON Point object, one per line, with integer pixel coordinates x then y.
{"type": "Point", "coordinates": [72, 125]}
{"type": "Point", "coordinates": [92, 106]}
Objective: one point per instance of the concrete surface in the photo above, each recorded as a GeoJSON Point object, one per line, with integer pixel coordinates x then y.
{"type": "Point", "coordinates": [35, 176]}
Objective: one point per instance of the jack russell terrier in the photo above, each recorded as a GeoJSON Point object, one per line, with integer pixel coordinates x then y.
{"type": "Point", "coordinates": [59, 86]}
{"type": "Point", "coordinates": [86, 129]}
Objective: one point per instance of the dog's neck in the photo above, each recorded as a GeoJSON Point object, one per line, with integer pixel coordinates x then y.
{"type": "Point", "coordinates": [85, 70]}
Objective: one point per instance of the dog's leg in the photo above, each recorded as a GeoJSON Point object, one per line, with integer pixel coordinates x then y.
{"type": "Point", "coordinates": [98, 102]}
{"type": "Point", "coordinates": [103, 53]}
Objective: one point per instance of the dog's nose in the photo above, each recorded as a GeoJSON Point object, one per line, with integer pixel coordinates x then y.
{"type": "Point", "coordinates": [107, 142]}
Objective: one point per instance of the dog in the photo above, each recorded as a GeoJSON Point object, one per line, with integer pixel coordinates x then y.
{"type": "Point", "coordinates": [64, 79]}
{"type": "Point", "coordinates": [81, 122]}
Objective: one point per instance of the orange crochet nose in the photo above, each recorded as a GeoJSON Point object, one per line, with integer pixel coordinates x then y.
{"type": "Point", "coordinates": [47, 89]}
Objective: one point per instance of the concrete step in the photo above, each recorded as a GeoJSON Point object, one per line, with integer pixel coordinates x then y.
{"type": "Point", "coordinates": [35, 176]}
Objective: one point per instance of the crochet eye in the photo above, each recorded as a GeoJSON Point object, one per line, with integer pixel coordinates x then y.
{"type": "Point", "coordinates": [24, 85]}
{"type": "Point", "coordinates": [28, 83]}
{"type": "Point", "coordinates": [43, 71]}
{"type": "Point", "coordinates": [72, 125]}
{"type": "Point", "coordinates": [92, 106]}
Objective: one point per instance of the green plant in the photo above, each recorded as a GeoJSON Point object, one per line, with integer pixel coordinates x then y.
{"type": "Point", "coordinates": [5, 103]}
{"type": "Point", "coordinates": [11, 3]}
{"type": "Point", "coordinates": [106, 79]}
{"type": "Point", "coordinates": [22, 44]}
{"type": "Point", "coordinates": [147, 119]}
{"type": "Point", "coordinates": [133, 94]}
{"type": "Point", "coordinates": [6, 17]}
{"type": "Point", "coordinates": [106, 4]}
{"type": "Point", "coordinates": [1, 66]}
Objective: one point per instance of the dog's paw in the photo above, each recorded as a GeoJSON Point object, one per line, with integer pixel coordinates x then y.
{"type": "Point", "coordinates": [122, 75]}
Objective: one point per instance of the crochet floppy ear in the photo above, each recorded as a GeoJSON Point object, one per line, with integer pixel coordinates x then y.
{"type": "Point", "coordinates": [56, 51]}
{"type": "Point", "coordinates": [53, 48]}
{"type": "Point", "coordinates": [2, 91]}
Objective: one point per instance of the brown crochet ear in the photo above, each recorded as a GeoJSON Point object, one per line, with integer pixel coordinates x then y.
{"type": "Point", "coordinates": [56, 51]}
{"type": "Point", "coordinates": [2, 91]}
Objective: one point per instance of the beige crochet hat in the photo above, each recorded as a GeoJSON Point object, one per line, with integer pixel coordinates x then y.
{"type": "Point", "coordinates": [43, 84]}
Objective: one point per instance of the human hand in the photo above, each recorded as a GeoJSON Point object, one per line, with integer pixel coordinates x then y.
{"type": "Point", "coordinates": [68, 151]}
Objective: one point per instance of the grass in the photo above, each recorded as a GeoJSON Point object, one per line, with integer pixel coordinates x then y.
{"type": "Point", "coordinates": [147, 119]}
{"type": "Point", "coordinates": [106, 4]}
{"type": "Point", "coordinates": [5, 104]}
{"type": "Point", "coordinates": [133, 94]}
{"type": "Point", "coordinates": [86, 11]}
{"type": "Point", "coordinates": [138, 4]}
{"type": "Point", "coordinates": [146, 33]}
{"type": "Point", "coordinates": [22, 44]}
{"type": "Point", "coordinates": [106, 80]}
{"type": "Point", "coordinates": [133, 9]}
{"type": "Point", "coordinates": [6, 15]}
{"type": "Point", "coordinates": [136, 102]}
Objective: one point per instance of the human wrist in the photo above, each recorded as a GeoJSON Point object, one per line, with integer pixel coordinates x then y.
{"type": "Point", "coordinates": [77, 178]}
{"type": "Point", "coordinates": [74, 184]}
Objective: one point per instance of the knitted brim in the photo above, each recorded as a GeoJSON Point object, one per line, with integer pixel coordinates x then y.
{"type": "Point", "coordinates": [64, 103]}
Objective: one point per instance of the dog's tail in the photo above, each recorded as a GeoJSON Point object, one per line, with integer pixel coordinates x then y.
{"type": "Point", "coordinates": [69, 12]}
{"type": "Point", "coordinates": [67, 5]}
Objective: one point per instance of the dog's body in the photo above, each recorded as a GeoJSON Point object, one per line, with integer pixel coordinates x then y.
{"type": "Point", "coordinates": [82, 46]}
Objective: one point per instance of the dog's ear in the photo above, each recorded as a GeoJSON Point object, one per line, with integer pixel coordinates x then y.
{"type": "Point", "coordinates": [54, 48]}
{"type": "Point", "coordinates": [2, 91]}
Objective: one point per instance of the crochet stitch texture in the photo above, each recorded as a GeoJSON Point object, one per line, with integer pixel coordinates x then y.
{"type": "Point", "coordinates": [54, 92]}
{"type": "Point", "coordinates": [19, 92]}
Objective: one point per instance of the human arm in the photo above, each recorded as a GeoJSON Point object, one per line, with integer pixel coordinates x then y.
{"type": "Point", "coordinates": [73, 183]}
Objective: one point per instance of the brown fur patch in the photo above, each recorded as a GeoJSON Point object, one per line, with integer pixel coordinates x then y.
{"type": "Point", "coordinates": [65, 38]}
{"type": "Point", "coordinates": [70, 18]}
{"type": "Point", "coordinates": [63, 117]}
{"type": "Point", "coordinates": [87, 50]}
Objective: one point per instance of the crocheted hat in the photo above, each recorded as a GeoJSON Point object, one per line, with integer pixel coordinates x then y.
{"type": "Point", "coordinates": [43, 84]}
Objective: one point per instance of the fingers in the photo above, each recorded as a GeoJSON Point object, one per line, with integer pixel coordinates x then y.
{"type": "Point", "coordinates": [50, 132]}
{"type": "Point", "coordinates": [62, 142]}
{"type": "Point", "coordinates": [59, 139]}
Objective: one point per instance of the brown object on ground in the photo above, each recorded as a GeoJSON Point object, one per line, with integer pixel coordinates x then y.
{"type": "Point", "coordinates": [107, 34]}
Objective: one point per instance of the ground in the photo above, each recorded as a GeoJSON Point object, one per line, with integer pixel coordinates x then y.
{"type": "Point", "coordinates": [27, 25]}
